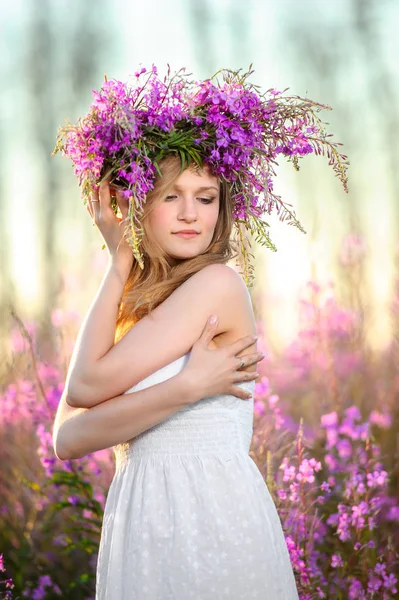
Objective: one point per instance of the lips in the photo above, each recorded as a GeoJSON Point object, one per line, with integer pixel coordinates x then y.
{"type": "Point", "coordinates": [186, 234]}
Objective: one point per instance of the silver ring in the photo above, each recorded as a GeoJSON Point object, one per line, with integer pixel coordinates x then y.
{"type": "Point", "coordinates": [95, 200]}
{"type": "Point", "coordinates": [242, 364]}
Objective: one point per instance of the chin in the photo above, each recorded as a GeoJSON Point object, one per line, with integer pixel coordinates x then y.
{"type": "Point", "coordinates": [184, 253]}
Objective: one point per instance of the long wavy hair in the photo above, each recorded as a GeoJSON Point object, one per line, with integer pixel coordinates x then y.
{"type": "Point", "coordinates": [162, 274]}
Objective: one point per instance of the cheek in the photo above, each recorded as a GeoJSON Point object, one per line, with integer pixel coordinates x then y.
{"type": "Point", "coordinates": [158, 220]}
{"type": "Point", "coordinates": [212, 217]}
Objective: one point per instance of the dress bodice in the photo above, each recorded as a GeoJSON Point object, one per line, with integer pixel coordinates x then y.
{"type": "Point", "coordinates": [212, 425]}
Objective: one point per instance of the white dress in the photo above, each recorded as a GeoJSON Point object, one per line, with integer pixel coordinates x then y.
{"type": "Point", "coordinates": [188, 514]}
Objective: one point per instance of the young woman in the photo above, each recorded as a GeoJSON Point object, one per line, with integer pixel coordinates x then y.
{"type": "Point", "coordinates": [188, 514]}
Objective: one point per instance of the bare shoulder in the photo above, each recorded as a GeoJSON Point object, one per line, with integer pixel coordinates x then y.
{"type": "Point", "coordinates": [215, 289]}
{"type": "Point", "coordinates": [222, 276]}
{"type": "Point", "coordinates": [233, 302]}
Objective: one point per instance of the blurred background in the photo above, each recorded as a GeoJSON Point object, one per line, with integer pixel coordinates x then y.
{"type": "Point", "coordinates": [342, 53]}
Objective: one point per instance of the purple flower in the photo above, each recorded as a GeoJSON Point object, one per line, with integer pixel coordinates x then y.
{"type": "Point", "coordinates": [390, 582]}
{"type": "Point", "coordinates": [377, 478]}
{"type": "Point", "coordinates": [73, 500]}
{"type": "Point", "coordinates": [329, 420]}
{"type": "Point", "coordinates": [325, 487]}
{"type": "Point", "coordinates": [262, 387]}
{"type": "Point", "coordinates": [393, 513]}
{"type": "Point", "coordinates": [344, 448]}
{"type": "Point", "coordinates": [259, 407]}
{"type": "Point", "coordinates": [336, 560]}
{"type": "Point", "coordinates": [356, 591]}
{"type": "Point", "coordinates": [45, 580]}
{"type": "Point", "coordinates": [382, 420]}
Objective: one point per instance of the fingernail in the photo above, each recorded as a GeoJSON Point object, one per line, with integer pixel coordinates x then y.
{"type": "Point", "coordinates": [213, 319]}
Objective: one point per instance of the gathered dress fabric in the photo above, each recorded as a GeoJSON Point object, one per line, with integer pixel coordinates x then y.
{"type": "Point", "coordinates": [188, 514]}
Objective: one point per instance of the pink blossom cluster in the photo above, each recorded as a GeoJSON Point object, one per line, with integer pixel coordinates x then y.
{"type": "Point", "coordinates": [336, 489]}
{"type": "Point", "coordinates": [333, 510]}
{"type": "Point", "coordinates": [7, 583]}
{"type": "Point", "coordinates": [58, 488]}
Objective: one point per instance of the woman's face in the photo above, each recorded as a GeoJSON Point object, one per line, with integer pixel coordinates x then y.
{"type": "Point", "coordinates": [191, 204]}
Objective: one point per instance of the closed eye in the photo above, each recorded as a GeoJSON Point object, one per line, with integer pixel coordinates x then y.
{"type": "Point", "coordinates": [204, 200]}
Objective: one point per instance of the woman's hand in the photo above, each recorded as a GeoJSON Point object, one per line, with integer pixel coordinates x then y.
{"type": "Point", "coordinates": [216, 371]}
{"type": "Point", "coordinates": [111, 227]}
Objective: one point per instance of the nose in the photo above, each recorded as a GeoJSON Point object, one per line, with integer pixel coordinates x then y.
{"type": "Point", "coordinates": [187, 210]}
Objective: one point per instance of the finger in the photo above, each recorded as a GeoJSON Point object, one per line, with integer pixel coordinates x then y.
{"type": "Point", "coordinates": [105, 198]}
{"type": "Point", "coordinates": [251, 359]}
{"type": "Point", "coordinates": [94, 194]}
{"type": "Point", "coordinates": [209, 332]}
{"type": "Point", "coordinates": [123, 203]}
{"type": "Point", "coordinates": [241, 344]}
{"type": "Point", "coordinates": [240, 393]}
{"type": "Point", "coordinates": [240, 376]}
{"type": "Point", "coordinates": [94, 204]}
{"type": "Point", "coordinates": [240, 363]}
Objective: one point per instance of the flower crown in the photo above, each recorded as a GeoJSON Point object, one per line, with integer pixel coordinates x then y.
{"type": "Point", "coordinates": [229, 125]}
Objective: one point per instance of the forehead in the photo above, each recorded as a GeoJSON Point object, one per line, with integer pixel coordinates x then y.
{"type": "Point", "coordinates": [201, 178]}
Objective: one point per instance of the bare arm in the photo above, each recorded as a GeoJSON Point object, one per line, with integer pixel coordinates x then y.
{"type": "Point", "coordinates": [100, 371]}
{"type": "Point", "coordinates": [97, 332]}
{"type": "Point", "coordinates": [80, 431]}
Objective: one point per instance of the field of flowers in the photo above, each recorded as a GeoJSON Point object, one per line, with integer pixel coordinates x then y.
{"type": "Point", "coordinates": [326, 439]}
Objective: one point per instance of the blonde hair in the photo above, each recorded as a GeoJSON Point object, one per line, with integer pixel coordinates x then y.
{"type": "Point", "coordinates": [146, 289]}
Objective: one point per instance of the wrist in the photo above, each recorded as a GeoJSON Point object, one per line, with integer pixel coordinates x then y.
{"type": "Point", "coordinates": [121, 265]}
{"type": "Point", "coordinates": [189, 391]}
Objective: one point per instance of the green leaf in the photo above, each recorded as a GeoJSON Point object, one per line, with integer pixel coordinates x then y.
{"type": "Point", "coordinates": [157, 168]}
{"type": "Point", "coordinates": [86, 530]}
{"type": "Point", "coordinates": [183, 159]}
{"type": "Point", "coordinates": [195, 156]}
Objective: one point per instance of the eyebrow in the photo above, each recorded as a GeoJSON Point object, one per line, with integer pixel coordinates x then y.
{"type": "Point", "coordinates": [200, 189]}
